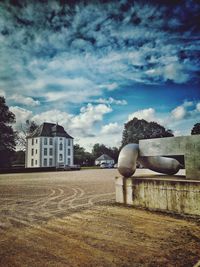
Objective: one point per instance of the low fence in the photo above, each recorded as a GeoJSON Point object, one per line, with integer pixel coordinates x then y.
{"type": "Point", "coordinates": [26, 170]}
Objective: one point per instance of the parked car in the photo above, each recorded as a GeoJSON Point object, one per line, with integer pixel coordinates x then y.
{"type": "Point", "coordinates": [63, 167]}
{"type": "Point", "coordinates": [105, 165]}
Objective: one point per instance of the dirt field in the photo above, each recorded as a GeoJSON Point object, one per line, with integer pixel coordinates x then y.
{"type": "Point", "coordinates": [71, 219]}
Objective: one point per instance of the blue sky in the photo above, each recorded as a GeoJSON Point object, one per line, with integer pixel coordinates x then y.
{"type": "Point", "coordinates": [93, 65]}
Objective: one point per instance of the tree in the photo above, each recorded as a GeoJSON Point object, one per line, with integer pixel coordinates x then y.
{"type": "Point", "coordinates": [81, 157]}
{"type": "Point", "coordinates": [7, 134]}
{"type": "Point", "coordinates": [26, 129]}
{"type": "Point", "coordinates": [18, 158]}
{"type": "Point", "coordinates": [99, 149]}
{"type": "Point", "coordinates": [136, 130]}
{"type": "Point", "coordinates": [195, 129]}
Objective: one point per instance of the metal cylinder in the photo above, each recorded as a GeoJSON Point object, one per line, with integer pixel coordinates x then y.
{"type": "Point", "coordinates": [160, 164]}
{"type": "Point", "coordinates": [127, 160]}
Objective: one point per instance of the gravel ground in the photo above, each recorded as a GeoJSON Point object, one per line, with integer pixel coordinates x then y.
{"type": "Point", "coordinates": [71, 219]}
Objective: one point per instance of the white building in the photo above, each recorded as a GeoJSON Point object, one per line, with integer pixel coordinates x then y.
{"type": "Point", "coordinates": [104, 159]}
{"type": "Point", "coordinates": [49, 146]}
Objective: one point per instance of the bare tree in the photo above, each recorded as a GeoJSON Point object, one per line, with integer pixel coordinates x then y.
{"type": "Point", "coordinates": [26, 129]}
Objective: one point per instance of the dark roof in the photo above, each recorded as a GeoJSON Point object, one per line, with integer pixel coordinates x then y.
{"type": "Point", "coordinates": [49, 130]}
{"type": "Point", "coordinates": [104, 157]}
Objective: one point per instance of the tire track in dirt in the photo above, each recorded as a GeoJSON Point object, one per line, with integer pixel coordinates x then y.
{"type": "Point", "coordinates": [73, 196]}
{"type": "Point", "coordinates": [90, 200]}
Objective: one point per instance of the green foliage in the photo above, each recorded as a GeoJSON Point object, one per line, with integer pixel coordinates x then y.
{"type": "Point", "coordinates": [136, 130]}
{"type": "Point", "coordinates": [18, 158]}
{"type": "Point", "coordinates": [81, 157]}
{"type": "Point", "coordinates": [7, 135]}
{"type": "Point", "coordinates": [30, 127]}
{"type": "Point", "coordinates": [99, 149]}
{"type": "Point", "coordinates": [84, 158]}
{"type": "Point", "coordinates": [195, 129]}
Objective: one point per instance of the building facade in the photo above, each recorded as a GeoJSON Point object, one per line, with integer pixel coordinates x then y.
{"type": "Point", "coordinates": [49, 146]}
{"type": "Point", "coordinates": [104, 159]}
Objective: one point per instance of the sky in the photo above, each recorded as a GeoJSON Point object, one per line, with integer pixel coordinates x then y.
{"type": "Point", "coordinates": [91, 66]}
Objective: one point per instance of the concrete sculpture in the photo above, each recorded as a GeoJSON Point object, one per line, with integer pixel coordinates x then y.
{"type": "Point", "coordinates": [150, 154]}
{"type": "Point", "coordinates": [129, 155]}
{"type": "Point", "coordinates": [176, 194]}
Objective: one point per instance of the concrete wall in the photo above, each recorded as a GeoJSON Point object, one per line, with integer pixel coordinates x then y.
{"type": "Point", "coordinates": [171, 195]}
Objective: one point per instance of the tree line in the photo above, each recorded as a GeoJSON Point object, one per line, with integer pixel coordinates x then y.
{"type": "Point", "coordinates": [134, 130]}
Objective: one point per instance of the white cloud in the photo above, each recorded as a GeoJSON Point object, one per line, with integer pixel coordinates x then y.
{"type": "Point", "coordinates": [28, 101]}
{"type": "Point", "coordinates": [54, 116]}
{"type": "Point", "coordinates": [89, 115]}
{"type": "Point", "coordinates": [186, 111]}
{"type": "Point", "coordinates": [110, 101]}
{"type": "Point", "coordinates": [146, 114]}
{"type": "Point", "coordinates": [179, 113]}
{"type": "Point", "coordinates": [93, 53]}
{"type": "Point", "coordinates": [2, 93]}
{"type": "Point", "coordinates": [111, 128]}
{"type": "Point", "coordinates": [198, 107]}
{"type": "Point", "coordinates": [79, 125]}
{"type": "Point", "coordinates": [172, 71]}
{"type": "Point", "coordinates": [112, 86]}
{"type": "Point", "coordinates": [176, 73]}
{"type": "Point", "coordinates": [21, 116]}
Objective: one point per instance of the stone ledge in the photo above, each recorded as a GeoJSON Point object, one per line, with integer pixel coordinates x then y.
{"type": "Point", "coordinates": [170, 194]}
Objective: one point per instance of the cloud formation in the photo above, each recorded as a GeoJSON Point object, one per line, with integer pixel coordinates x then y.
{"type": "Point", "coordinates": [146, 114]}
{"type": "Point", "coordinates": [111, 128]}
{"type": "Point", "coordinates": [189, 109]}
{"type": "Point", "coordinates": [110, 101]}
{"type": "Point", "coordinates": [27, 101]}
{"type": "Point", "coordinates": [81, 125]}
{"type": "Point", "coordinates": [59, 51]}
{"type": "Point", "coordinates": [56, 58]}
{"type": "Point", "coordinates": [180, 119]}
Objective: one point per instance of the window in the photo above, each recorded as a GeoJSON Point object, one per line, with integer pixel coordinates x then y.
{"type": "Point", "coordinates": [45, 141]}
{"type": "Point", "coordinates": [32, 142]}
{"type": "Point", "coordinates": [50, 162]}
{"type": "Point", "coordinates": [60, 138]}
{"type": "Point", "coordinates": [50, 151]}
{"type": "Point", "coordinates": [60, 157]}
{"type": "Point", "coordinates": [36, 141]}
{"type": "Point", "coordinates": [36, 151]}
{"type": "Point", "coordinates": [69, 161]}
{"type": "Point", "coordinates": [32, 152]}
{"type": "Point", "coordinates": [69, 151]}
{"type": "Point", "coordinates": [36, 162]}
{"type": "Point", "coordinates": [51, 141]}
{"type": "Point", "coordinates": [61, 146]}
{"type": "Point", "coordinates": [32, 162]}
{"type": "Point", "coordinates": [45, 162]}
{"type": "Point", "coordinates": [69, 142]}
{"type": "Point", "coordinates": [45, 151]}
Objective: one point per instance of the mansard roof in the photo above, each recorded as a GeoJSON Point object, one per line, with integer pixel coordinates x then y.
{"type": "Point", "coordinates": [49, 130]}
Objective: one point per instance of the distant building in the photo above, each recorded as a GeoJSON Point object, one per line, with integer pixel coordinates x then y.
{"type": "Point", "coordinates": [49, 146]}
{"type": "Point", "coordinates": [104, 159]}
